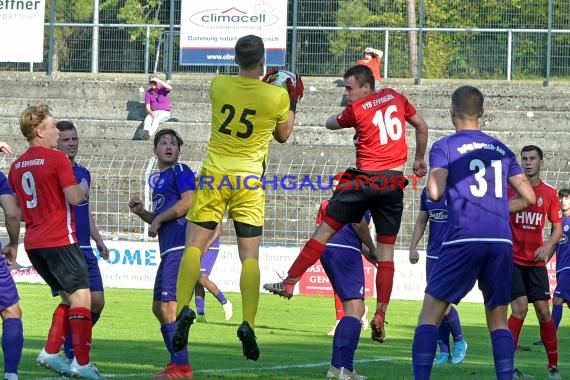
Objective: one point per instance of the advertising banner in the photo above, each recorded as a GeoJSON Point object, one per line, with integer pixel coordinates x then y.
{"type": "Point", "coordinates": [22, 30]}
{"type": "Point", "coordinates": [209, 31]}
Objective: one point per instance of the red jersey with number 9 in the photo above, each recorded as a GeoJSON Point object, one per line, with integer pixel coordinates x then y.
{"type": "Point", "coordinates": [38, 178]}
{"type": "Point", "coordinates": [380, 123]}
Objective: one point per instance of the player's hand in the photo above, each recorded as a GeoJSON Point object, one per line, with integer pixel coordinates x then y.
{"type": "Point", "coordinates": [541, 253]}
{"type": "Point", "coordinates": [5, 148]}
{"type": "Point", "coordinates": [103, 250]}
{"type": "Point", "coordinates": [414, 255]}
{"type": "Point", "coordinates": [10, 253]}
{"type": "Point", "coordinates": [297, 90]}
{"type": "Point", "coordinates": [420, 167]}
{"type": "Point", "coordinates": [136, 205]}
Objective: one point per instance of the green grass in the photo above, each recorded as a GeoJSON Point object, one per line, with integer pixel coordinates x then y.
{"type": "Point", "coordinates": [127, 343]}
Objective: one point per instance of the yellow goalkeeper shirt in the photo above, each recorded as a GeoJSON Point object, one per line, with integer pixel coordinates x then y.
{"type": "Point", "coordinates": [245, 112]}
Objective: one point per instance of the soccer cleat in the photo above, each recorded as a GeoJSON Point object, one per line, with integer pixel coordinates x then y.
{"type": "Point", "coordinates": [201, 318]}
{"type": "Point", "coordinates": [183, 323]}
{"type": "Point", "coordinates": [377, 329]}
{"type": "Point", "coordinates": [173, 371]}
{"type": "Point", "coordinates": [228, 310]}
{"type": "Point", "coordinates": [333, 330]}
{"type": "Point", "coordinates": [518, 374]}
{"type": "Point", "coordinates": [523, 348]}
{"type": "Point", "coordinates": [459, 351]}
{"type": "Point", "coordinates": [364, 319]}
{"type": "Point", "coordinates": [284, 288]}
{"type": "Point", "coordinates": [538, 343]}
{"type": "Point", "coordinates": [248, 341]}
{"type": "Point", "coordinates": [159, 375]}
{"type": "Point", "coordinates": [10, 376]}
{"type": "Point", "coordinates": [442, 358]}
{"type": "Point", "coordinates": [345, 374]}
{"type": "Point", "coordinates": [53, 362]}
{"type": "Point", "coordinates": [87, 371]}
{"type": "Point", "coordinates": [554, 373]}
{"type": "Point", "coordinates": [333, 372]}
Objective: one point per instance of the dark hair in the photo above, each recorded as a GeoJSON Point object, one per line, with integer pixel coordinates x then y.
{"type": "Point", "coordinates": [249, 51]}
{"type": "Point", "coordinates": [65, 125]}
{"type": "Point", "coordinates": [468, 102]}
{"type": "Point", "coordinates": [362, 74]}
{"type": "Point", "coordinates": [530, 148]}
{"type": "Point", "coordinates": [563, 193]}
{"type": "Point", "coordinates": [164, 132]}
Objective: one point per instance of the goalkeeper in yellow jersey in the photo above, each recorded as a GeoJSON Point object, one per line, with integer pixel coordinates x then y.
{"type": "Point", "coordinates": [246, 114]}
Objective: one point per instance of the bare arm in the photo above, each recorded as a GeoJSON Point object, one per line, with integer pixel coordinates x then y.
{"type": "Point", "coordinates": [12, 223]}
{"type": "Point", "coordinates": [417, 233]}
{"type": "Point", "coordinates": [137, 208]}
{"type": "Point", "coordinates": [421, 127]}
{"type": "Point", "coordinates": [283, 130]}
{"type": "Point", "coordinates": [437, 181]}
{"type": "Point", "coordinates": [526, 194]}
{"type": "Point", "coordinates": [547, 250]}
{"type": "Point", "coordinates": [76, 194]}
{"type": "Point", "coordinates": [96, 236]}
{"type": "Point", "coordinates": [362, 229]}
{"type": "Point", "coordinates": [177, 210]}
{"type": "Point", "coordinates": [332, 123]}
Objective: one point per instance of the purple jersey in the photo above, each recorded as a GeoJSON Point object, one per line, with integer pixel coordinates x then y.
{"type": "Point", "coordinates": [437, 217]}
{"type": "Point", "coordinates": [8, 292]}
{"type": "Point", "coordinates": [81, 211]}
{"type": "Point", "coordinates": [563, 247]}
{"type": "Point", "coordinates": [168, 190]}
{"type": "Point", "coordinates": [347, 238]}
{"type": "Point", "coordinates": [478, 169]}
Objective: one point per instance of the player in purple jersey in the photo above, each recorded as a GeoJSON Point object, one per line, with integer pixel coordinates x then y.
{"type": "Point", "coordinates": [206, 265]}
{"type": "Point", "coordinates": [85, 228]}
{"type": "Point", "coordinates": [436, 214]}
{"type": "Point", "coordinates": [12, 331]}
{"type": "Point", "coordinates": [342, 262]}
{"type": "Point", "coordinates": [171, 197]}
{"type": "Point", "coordinates": [562, 250]}
{"type": "Point", "coordinates": [472, 170]}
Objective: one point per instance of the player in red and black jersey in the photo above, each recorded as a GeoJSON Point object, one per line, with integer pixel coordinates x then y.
{"type": "Point", "coordinates": [376, 184]}
{"type": "Point", "coordinates": [45, 187]}
{"type": "Point", "coordinates": [531, 253]}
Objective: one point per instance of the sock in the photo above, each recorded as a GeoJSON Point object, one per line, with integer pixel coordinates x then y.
{"type": "Point", "coordinates": [384, 281]}
{"type": "Point", "coordinates": [58, 330]}
{"type": "Point", "coordinates": [548, 337]}
{"type": "Point", "coordinates": [515, 325]}
{"type": "Point", "coordinates": [454, 324]}
{"type": "Point", "coordinates": [310, 253]}
{"type": "Point", "coordinates": [423, 351]}
{"type": "Point", "coordinates": [81, 328]}
{"type": "Point", "coordinates": [12, 344]}
{"type": "Point", "coordinates": [221, 298]}
{"type": "Point", "coordinates": [443, 336]}
{"type": "Point", "coordinates": [68, 343]}
{"type": "Point", "coordinates": [345, 342]}
{"type": "Point", "coordinates": [188, 277]}
{"type": "Point", "coordinates": [249, 286]}
{"type": "Point", "coordinates": [503, 354]}
{"type": "Point", "coordinates": [180, 357]}
{"type": "Point", "coordinates": [200, 305]}
{"type": "Point", "coordinates": [557, 315]}
{"type": "Point", "coordinates": [339, 309]}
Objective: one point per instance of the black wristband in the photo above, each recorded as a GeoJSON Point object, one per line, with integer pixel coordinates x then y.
{"type": "Point", "coordinates": [293, 106]}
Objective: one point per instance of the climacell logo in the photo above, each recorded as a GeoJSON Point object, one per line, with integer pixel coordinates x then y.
{"type": "Point", "coordinates": [262, 16]}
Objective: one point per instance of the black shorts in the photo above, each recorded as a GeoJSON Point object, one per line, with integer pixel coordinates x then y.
{"type": "Point", "coordinates": [62, 268]}
{"type": "Point", "coordinates": [380, 192]}
{"type": "Point", "coordinates": [531, 282]}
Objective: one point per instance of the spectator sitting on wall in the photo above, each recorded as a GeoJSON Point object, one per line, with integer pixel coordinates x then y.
{"type": "Point", "coordinates": [157, 105]}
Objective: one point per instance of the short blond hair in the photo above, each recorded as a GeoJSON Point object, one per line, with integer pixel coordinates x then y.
{"type": "Point", "coordinates": [31, 117]}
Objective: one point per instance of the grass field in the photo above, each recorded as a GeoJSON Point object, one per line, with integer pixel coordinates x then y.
{"type": "Point", "coordinates": [127, 343]}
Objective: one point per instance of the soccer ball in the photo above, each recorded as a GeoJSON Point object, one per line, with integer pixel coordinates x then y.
{"type": "Point", "coordinates": [280, 79]}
